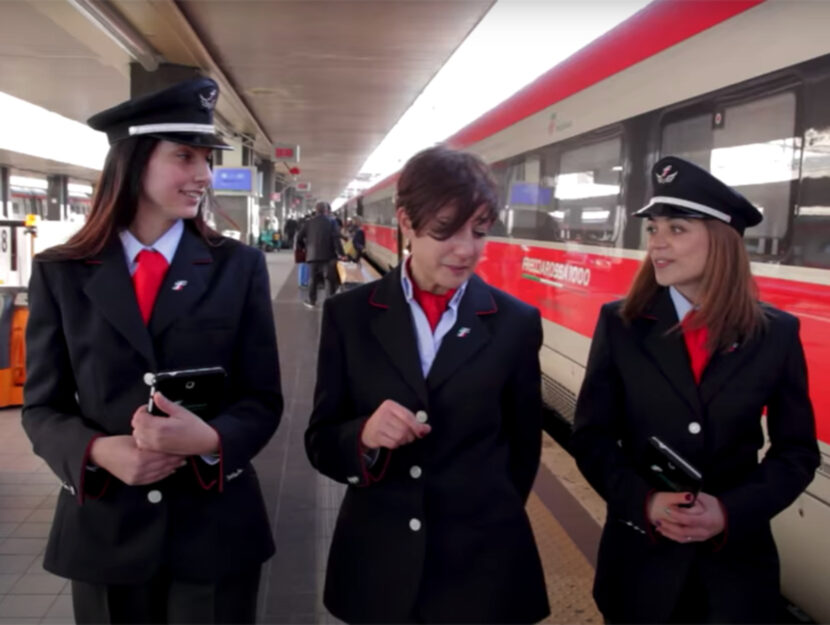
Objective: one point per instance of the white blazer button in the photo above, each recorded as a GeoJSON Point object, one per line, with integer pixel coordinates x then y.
{"type": "Point", "coordinates": [415, 471]}
{"type": "Point", "coordinates": [694, 427]}
{"type": "Point", "coordinates": [352, 479]}
{"type": "Point", "coordinates": [421, 416]}
{"type": "Point", "coordinates": [414, 525]}
{"type": "Point", "coordinates": [154, 496]}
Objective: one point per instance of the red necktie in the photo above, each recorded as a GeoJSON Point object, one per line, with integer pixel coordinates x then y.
{"type": "Point", "coordinates": [147, 280]}
{"type": "Point", "coordinates": [695, 339]}
{"type": "Point", "coordinates": [433, 305]}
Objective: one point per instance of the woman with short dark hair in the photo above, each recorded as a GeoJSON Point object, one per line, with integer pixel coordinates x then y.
{"type": "Point", "coordinates": [668, 423]}
{"type": "Point", "coordinates": [428, 405]}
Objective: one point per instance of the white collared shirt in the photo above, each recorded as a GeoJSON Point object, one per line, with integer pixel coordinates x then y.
{"type": "Point", "coordinates": [682, 306]}
{"type": "Point", "coordinates": [428, 341]}
{"type": "Point", "coordinates": [166, 245]}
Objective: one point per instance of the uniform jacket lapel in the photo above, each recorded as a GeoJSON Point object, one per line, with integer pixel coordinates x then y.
{"type": "Point", "coordinates": [110, 289]}
{"type": "Point", "coordinates": [392, 326]}
{"type": "Point", "coordinates": [723, 366]}
{"type": "Point", "coordinates": [472, 335]}
{"type": "Point", "coordinates": [664, 344]}
{"type": "Point", "coordinates": [185, 283]}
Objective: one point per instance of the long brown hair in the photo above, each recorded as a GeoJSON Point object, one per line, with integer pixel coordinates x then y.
{"type": "Point", "coordinates": [115, 202]}
{"type": "Point", "coordinates": [728, 306]}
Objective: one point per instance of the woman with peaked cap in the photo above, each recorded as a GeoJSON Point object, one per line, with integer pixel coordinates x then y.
{"type": "Point", "coordinates": [691, 357]}
{"type": "Point", "coordinates": [428, 405]}
{"type": "Point", "coordinates": [148, 525]}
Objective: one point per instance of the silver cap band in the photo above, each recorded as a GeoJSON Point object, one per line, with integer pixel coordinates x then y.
{"type": "Point", "coordinates": [147, 129]}
{"type": "Point", "coordinates": [676, 201]}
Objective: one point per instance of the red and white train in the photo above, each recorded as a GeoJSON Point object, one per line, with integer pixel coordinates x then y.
{"type": "Point", "coordinates": [741, 87]}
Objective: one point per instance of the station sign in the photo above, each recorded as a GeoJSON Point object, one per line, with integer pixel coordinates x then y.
{"type": "Point", "coordinates": [303, 187]}
{"type": "Point", "coordinates": [233, 179]}
{"type": "Point", "coordinates": [287, 152]}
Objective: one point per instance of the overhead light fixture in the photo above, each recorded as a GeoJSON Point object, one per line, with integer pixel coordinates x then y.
{"type": "Point", "coordinates": [112, 23]}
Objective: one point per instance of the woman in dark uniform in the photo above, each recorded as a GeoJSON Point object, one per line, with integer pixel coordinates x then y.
{"type": "Point", "coordinates": [148, 524]}
{"type": "Point", "coordinates": [690, 356]}
{"type": "Point", "coordinates": [428, 405]}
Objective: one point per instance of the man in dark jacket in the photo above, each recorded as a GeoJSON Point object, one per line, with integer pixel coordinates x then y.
{"type": "Point", "coordinates": [321, 241]}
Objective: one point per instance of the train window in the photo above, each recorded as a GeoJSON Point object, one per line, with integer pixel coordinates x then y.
{"type": "Point", "coordinates": [587, 203]}
{"type": "Point", "coordinates": [811, 235]}
{"type": "Point", "coordinates": [528, 194]}
{"type": "Point", "coordinates": [750, 146]}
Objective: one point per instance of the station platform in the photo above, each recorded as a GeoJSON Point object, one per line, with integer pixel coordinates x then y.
{"type": "Point", "coordinates": [565, 513]}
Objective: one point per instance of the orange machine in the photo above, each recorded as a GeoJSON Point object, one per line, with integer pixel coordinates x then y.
{"type": "Point", "coordinates": [11, 379]}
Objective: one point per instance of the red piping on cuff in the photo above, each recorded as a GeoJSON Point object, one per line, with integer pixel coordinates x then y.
{"type": "Point", "coordinates": [84, 463]}
{"type": "Point", "coordinates": [719, 541]}
{"type": "Point", "coordinates": [221, 459]}
{"type": "Point", "coordinates": [388, 456]}
{"type": "Point", "coordinates": [361, 449]}
{"type": "Point", "coordinates": [649, 527]}
{"type": "Point", "coordinates": [195, 466]}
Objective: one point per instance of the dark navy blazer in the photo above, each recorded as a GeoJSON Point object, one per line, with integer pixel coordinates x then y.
{"type": "Point", "coordinates": [436, 530]}
{"type": "Point", "coordinates": [638, 384]}
{"type": "Point", "coordinates": [88, 350]}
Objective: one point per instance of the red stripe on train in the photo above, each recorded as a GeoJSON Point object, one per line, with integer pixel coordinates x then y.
{"type": "Point", "coordinates": [659, 26]}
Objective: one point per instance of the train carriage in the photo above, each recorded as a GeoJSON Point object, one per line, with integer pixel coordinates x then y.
{"type": "Point", "coordinates": [741, 88]}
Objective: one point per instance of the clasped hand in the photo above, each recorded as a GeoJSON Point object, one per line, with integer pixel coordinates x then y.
{"type": "Point", "coordinates": [698, 523]}
{"type": "Point", "coordinates": [181, 433]}
{"type": "Point", "coordinates": [391, 426]}
{"type": "Point", "coordinates": [158, 445]}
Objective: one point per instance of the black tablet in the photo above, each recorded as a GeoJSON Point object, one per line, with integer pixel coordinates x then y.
{"type": "Point", "coordinates": [198, 390]}
{"type": "Point", "coordinates": [670, 470]}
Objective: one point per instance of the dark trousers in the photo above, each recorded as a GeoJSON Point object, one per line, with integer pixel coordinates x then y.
{"type": "Point", "coordinates": [164, 600]}
{"type": "Point", "coordinates": [320, 270]}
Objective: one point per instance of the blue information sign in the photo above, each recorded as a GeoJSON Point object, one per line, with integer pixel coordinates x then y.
{"type": "Point", "coordinates": [232, 179]}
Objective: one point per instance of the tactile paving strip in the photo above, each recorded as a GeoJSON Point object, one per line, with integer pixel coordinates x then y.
{"type": "Point", "coordinates": [568, 575]}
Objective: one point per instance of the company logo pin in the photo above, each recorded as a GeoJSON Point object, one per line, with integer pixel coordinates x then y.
{"type": "Point", "coordinates": [462, 332]}
{"type": "Point", "coordinates": [666, 176]}
{"type": "Point", "coordinates": [178, 285]}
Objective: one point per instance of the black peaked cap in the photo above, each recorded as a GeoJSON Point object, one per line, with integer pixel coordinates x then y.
{"type": "Point", "coordinates": [682, 189]}
{"type": "Point", "coordinates": [182, 113]}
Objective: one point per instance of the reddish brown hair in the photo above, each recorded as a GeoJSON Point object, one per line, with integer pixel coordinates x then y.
{"type": "Point", "coordinates": [438, 177]}
{"type": "Point", "coordinates": [115, 202]}
{"type": "Point", "coordinates": [728, 307]}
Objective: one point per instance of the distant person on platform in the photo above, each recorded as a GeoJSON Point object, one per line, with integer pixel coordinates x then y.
{"type": "Point", "coordinates": [321, 240]}
{"type": "Point", "coordinates": [290, 231]}
{"type": "Point", "coordinates": [160, 519]}
{"type": "Point", "coordinates": [358, 239]}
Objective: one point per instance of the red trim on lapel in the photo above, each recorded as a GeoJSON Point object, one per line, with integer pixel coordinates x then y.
{"type": "Point", "coordinates": [372, 301]}
{"type": "Point", "coordinates": [199, 475]}
{"type": "Point", "coordinates": [93, 262]}
{"type": "Point", "coordinates": [495, 308]}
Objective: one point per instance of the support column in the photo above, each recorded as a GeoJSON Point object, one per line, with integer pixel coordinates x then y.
{"type": "Point", "coordinates": [5, 193]}
{"type": "Point", "coordinates": [57, 197]}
